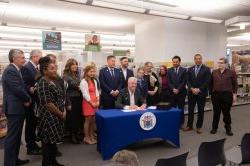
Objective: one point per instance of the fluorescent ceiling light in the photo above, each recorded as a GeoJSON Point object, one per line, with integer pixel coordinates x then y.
{"type": "Point", "coordinates": [244, 37]}
{"type": "Point", "coordinates": [198, 5]}
{"type": "Point", "coordinates": [202, 19]}
{"type": "Point", "coordinates": [241, 23]}
{"type": "Point", "coordinates": [242, 26]}
{"type": "Point", "coordinates": [159, 13]}
{"type": "Point", "coordinates": [233, 45]}
{"type": "Point", "coordinates": [63, 17]}
{"type": "Point", "coordinates": [118, 6]}
{"type": "Point", "coordinates": [75, 1]}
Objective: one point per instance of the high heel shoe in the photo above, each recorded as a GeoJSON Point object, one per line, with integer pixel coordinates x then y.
{"type": "Point", "coordinates": [74, 139]}
{"type": "Point", "coordinates": [88, 141]}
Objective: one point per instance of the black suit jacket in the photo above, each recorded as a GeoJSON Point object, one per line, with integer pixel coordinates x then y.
{"type": "Point", "coordinates": [123, 98]}
{"type": "Point", "coordinates": [14, 93]}
{"type": "Point", "coordinates": [130, 73]}
{"type": "Point", "coordinates": [202, 80]}
{"type": "Point", "coordinates": [177, 81]}
{"type": "Point", "coordinates": [29, 73]}
{"type": "Point", "coordinates": [107, 83]}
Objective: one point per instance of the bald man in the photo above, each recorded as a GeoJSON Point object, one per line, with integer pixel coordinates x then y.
{"type": "Point", "coordinates": [130, 97]}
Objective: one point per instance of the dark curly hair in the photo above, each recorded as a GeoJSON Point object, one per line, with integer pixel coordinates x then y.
{"type": "Point", "coordinates": [44, 63]}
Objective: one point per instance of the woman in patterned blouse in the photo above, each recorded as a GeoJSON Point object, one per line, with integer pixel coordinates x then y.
{"type": "Point", "coordinates": [51, 112]}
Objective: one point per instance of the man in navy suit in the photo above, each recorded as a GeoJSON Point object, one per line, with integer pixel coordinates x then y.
{"type": "Point", "coordinates": [111, 83]}
{"type": "Point", "coordinates": [125, 72]}
{"type": "Point", "coordinates": [29, 73]}
{"type": "Point", "coordinates": [199, 77]}
{"type": "Point", "coordinates": [15, 99]}
{"type": "Point", "coordinates": [177, 79]}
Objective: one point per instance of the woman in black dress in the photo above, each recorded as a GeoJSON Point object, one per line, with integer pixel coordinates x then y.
{"type": "Point", "coordinates": [153, 84]}
{"type": "Point", "coordinates": [50, 112]}
{"type": "Point", "coordinates": [74, 115]}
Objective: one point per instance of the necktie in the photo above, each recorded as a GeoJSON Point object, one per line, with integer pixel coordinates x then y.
{"type": "Point", "coordinates": [112, 73]}
{"type": "Point", "coordinates": [197, 68]}
{"type": "Point", "coordinates": [176, 70]}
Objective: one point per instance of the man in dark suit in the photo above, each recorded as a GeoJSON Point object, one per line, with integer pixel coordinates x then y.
{"type": "Point", "coordinates": [15, 99]}
{"type": "Point", "coordinates": [130, 97]}
{"type": "Point", "coordinates": [199, 77]}
{"type": "Point", "coordinates": [177, 79]}
{"type": "Point", "coordinates": [110, 82]}
{"type": "Point", "coordinates": [29, 73]}
{"type": "Point", "coordinates": [125, 72]}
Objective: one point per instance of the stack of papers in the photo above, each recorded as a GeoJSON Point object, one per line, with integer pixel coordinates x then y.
{"type": "Point", "coordinates": [128, 110]}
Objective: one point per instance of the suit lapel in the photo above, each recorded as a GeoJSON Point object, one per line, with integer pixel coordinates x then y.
{"type": "Point", "coordinates": [127, 96]}
{"type": "Point", "coordinates": [18, 72]}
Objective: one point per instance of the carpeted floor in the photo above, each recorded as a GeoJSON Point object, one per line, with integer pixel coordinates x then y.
{"type": "Point", "coordinates": [149, 151]}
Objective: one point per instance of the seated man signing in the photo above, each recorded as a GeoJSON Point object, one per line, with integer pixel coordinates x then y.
{"type": "Point", "coordinates": [130, 97]}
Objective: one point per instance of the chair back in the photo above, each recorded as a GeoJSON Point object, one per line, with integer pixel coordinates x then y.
{"type": "Point", "coordinates": [179, 160]}
{"type": "Point", "coordinates": [212, 153]}
{"type": "Point", "coordinates": [245, 149]}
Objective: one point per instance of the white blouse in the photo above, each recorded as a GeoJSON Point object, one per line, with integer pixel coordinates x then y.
{"type": "Point", "coordinates": [85, 89]}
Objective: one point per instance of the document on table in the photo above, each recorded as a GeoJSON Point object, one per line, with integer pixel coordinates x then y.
{"type": "Point", "coordinates": [152, 107]}
{"type": "Point", "coordinates": [128, 110]}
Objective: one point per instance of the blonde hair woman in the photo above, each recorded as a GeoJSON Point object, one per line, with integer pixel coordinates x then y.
{"type": "Point", "coordinates": [90, 102]}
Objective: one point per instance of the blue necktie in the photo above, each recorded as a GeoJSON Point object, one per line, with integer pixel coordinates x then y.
{"type": "Point", "coordinates": [197, 69]}
{"type": "Point", "coordinates": [112, 73]}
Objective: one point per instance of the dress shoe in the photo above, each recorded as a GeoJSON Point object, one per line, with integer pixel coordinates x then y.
{"type": "Point", "coordinates": [199, 131]}
{"type": "Point", "coordinates": [229, 133]}
{"type": "Point", "coordinates": [36, 151]}
{"type": "Point", "coordinates": [22, 162]}
{"type": "Point", "coordinates": [188, 129]}
{"type": "Point", "coordinates": [213, 131]}
{"type": "Point", "coordinates": [74, 139]}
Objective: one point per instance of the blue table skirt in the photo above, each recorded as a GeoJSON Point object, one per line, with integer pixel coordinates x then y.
{"type": "Point", "coordinates": [117, 129]}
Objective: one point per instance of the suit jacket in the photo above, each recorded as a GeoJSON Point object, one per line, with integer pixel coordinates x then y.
{"type": "Point", "coordinates": [177, 81]}
{"type": "Point", "coordinates": [130, 73]}
{"type": "Point", "coordinates": [14, 92]}
{"type": "Point", "coordinates": [142, 86]}
{"type": "Point", "coordinates": [123, 98]}
{"type": "Point", "coordinates": [200, 81]}
{"type": "Point", "coordinates": [108, 83]}
{"type": "Point", "coordinates": [29, 73]}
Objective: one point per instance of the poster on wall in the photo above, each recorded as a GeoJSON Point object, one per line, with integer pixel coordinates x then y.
{"type": "Point", "coordinates": [52, 40]}
{"type": "Point", "coordinates": [92, 43]}
{"type": "Point", "coordinates": [241, 61]}
{"type": "Point", "coordinates": [121, 52]}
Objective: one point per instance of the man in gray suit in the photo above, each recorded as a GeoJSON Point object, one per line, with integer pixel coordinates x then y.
{"type": "Point", "coordinates": [15, 99]}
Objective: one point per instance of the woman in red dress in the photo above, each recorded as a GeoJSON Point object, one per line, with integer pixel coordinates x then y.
{"type": "Point", "coordinates": [90, 102]}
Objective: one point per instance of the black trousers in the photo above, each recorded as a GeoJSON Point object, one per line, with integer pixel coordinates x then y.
{"type": "Point", "coordinates": [13, 139]}
{"type": "Point", "coordinates": [179, 102]}
{"type": "Point", "coordinates": [222, 102]}
{"type": "Point", "coordinates": [30, 128]}
{"type": "Point", "coordinates": [164, 96]}
{"type": "Point", "coordinates": [49, 154]}
{"type": "Point", "coordinates": [74, 119]}
{"type": "Point", "coordinates": [108, 104]}
{"type": "Point", "coordinates": [192, 101]}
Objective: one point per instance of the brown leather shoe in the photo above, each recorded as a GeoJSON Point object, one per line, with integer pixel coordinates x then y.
{"type": "Point", "coordinates": [199, 131]}
{"type": "Point", "coordinates": [188, 129]}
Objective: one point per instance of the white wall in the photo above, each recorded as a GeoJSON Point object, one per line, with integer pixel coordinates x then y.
{"type": "Point", "coordinates": [160, 39]}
